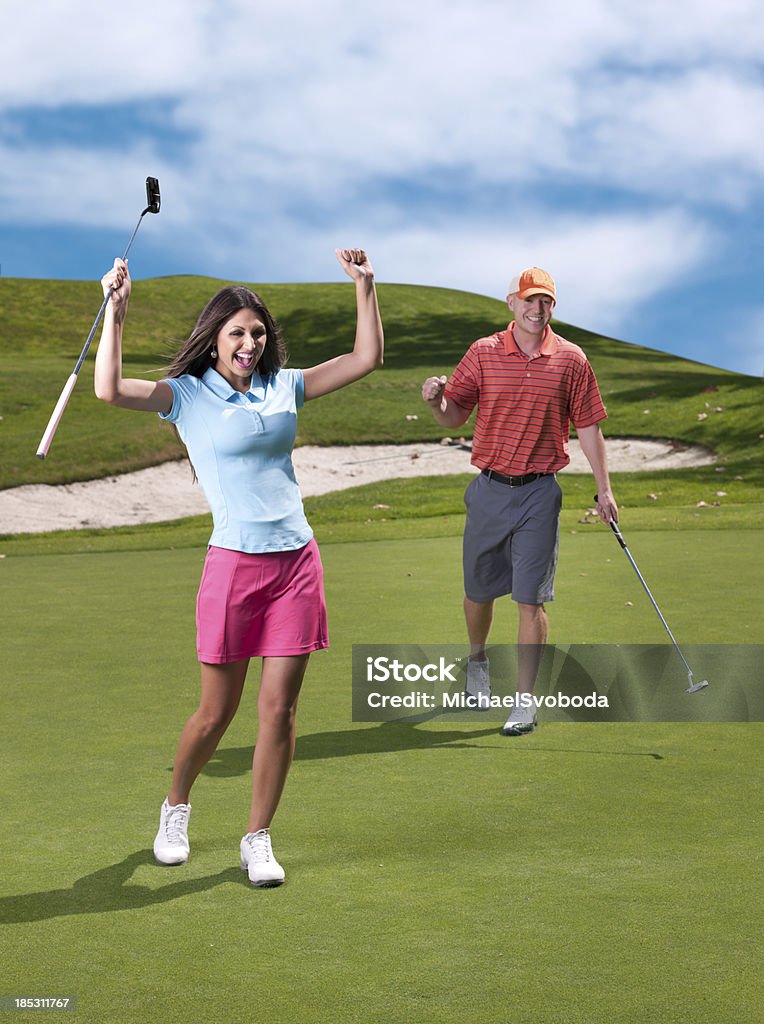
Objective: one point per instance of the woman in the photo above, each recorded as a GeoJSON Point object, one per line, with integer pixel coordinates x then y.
{"type": "Point", "coordinates": [261, 593]}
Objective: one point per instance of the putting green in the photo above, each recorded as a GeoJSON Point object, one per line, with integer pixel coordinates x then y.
{"type": "Point", "coordinates": [435, 872]}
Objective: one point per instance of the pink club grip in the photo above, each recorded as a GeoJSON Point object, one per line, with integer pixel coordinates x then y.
{"type": "Point", "coordinates": [55, 417]}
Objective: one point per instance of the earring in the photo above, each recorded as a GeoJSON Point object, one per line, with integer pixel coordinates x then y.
{"type": "Point", "coordinates": [214, 353]}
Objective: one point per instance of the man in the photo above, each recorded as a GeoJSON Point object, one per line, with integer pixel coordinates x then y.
{"type": "Point", "coordinates": [529, 385]}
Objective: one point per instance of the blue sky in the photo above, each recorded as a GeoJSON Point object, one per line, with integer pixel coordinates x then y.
{"type": "Point", "coordinates": [620, 145]}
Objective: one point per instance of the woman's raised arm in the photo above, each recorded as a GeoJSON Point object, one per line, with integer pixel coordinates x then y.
{"type": "Point", "coordinates": [110, 385]}
{"type": "Point", "coordinates": [369, 338]}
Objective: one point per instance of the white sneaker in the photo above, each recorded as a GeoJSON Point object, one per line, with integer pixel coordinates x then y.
{"type": "Point", "coordinates": [258, 861]}
{"type": "Point", "coordinates": [521, 721]}
{"type": "Point", "coordinates": [478, 683]}
{"type": "Point", "coordinates": [171, 844]}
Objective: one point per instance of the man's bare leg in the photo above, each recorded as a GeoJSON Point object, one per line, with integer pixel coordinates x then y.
{"type": "Point", "coordinates": [479, 617]}
{"type": "Point", "coordinates": [533, 628]}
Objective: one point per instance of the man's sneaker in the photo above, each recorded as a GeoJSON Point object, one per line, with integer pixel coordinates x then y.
{"type": "Point", "coordinates": [478, 683]}
{"type": "Point", "coordinates": [171, 844]}
{"type": "Point", "coordinates": [258, 861]}
{"type": "Point", "coordinates": [521, 721]}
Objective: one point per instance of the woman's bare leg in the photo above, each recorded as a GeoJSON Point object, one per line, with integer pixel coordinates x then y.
{"type": "Point", "coordinates": [222, 687]}
{"type": "Point", "coordinates": [277, 708]}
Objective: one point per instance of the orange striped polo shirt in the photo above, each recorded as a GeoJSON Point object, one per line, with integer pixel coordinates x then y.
{"type": "Point", "coordinates": [525, 405]}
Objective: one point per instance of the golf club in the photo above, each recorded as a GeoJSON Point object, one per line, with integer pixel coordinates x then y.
{"type": "Point", "coordinates": [693, 687]}
{"type": "Point", "coordinates": [153, 202]}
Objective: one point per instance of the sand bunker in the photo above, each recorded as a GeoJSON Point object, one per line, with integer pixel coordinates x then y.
{"type": "Point", "coordinates": [168, 491]}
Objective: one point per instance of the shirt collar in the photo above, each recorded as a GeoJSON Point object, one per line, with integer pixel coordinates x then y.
{"type": "Point", "coordinates": [220, 386]}
{"type": "Point", "coordinates": [511, 346]}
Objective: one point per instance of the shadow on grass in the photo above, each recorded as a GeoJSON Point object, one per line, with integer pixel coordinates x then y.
{"type": "Point", "coordinates": [106, 890]}
{"type": "Point", "coordinates": [388, 737]}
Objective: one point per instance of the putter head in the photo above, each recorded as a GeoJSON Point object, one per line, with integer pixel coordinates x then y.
{"type": "Point", "coordinates": [694, 687]}
{"type": "Point", "coordinates": [153, 198]}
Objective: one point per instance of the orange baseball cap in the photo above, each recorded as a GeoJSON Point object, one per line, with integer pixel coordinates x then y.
{"type": "Point", "coordinates": [533, 281]}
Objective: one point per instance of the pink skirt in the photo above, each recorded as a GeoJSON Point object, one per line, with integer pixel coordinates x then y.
{"type": "Point", "coordinates": [260, 605]}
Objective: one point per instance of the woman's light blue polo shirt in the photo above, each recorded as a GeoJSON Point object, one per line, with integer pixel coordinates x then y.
{"type": "Point", "coordinates": [240, 446]}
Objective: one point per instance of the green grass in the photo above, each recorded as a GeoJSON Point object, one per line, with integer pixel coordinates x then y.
{"type": "Point", "coordinates": [426, 507]}
{"type": "Point", "coordinates": [427, 331]}
{"type": "Point", "coordinates": [435, 872]}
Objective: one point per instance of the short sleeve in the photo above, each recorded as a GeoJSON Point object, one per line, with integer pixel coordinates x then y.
{"type": "Point", "coordinates": [184, 390]}
{"type": "Point", "coordinates": [464, 384]}
{"type": "Point", "coordinates": [294, 380]}
{"type": "Point", "coordinates": [586, 405]}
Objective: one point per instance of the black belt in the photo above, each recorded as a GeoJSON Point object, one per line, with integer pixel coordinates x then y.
{"type": "Point", "coordinates": [512, 481]}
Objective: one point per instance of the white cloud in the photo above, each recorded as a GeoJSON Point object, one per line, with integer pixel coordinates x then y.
{"type": "Point", "coordinates": [299, 114]}
{"type": "Point", "coordinates": [604, 266]}
{"type": "Point", "coordinates": [698, 135]}
{"type": "Point", "coordinates": [83, 51]}
{"type": "Point", "coordinates": [319, 96]}
{"type": "Point", "coordinates": [65, 185]}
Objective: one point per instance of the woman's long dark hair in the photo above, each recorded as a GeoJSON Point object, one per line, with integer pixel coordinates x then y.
{"type": "Point", "coordinates": [194, 356]}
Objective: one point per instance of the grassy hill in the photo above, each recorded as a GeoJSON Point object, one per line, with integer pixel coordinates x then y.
{"type": "Point", "coordinates": [43, 325]}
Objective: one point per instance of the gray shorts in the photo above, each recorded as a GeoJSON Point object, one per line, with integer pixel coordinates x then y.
{"type": "Point", "coordinates": [511, 537]}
